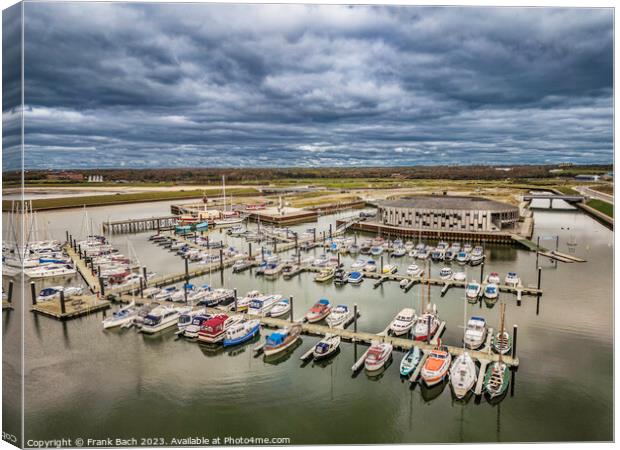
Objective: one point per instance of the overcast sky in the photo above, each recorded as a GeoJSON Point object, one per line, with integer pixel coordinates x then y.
{"type": "Point", "coordinates": [156, 85]}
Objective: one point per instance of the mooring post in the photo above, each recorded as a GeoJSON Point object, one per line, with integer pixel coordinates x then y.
{"type": "Point", "coordinates": [355, 317]}
{"type": "Point", "coordinates": [323, 238]}
{"type": "Point", "coordinates": [66, 236]}
{"type": "Point", "coordinates": [74, 245]}
{"type": "Point", "coordinates": [207, 241]}
{"type": "Point", "coordinates": [557, 242]}
{"type": "Point", "coordinates": [98, 271]}
{"type": "Point", "coordinates": [296, 243]}
{"type": "Point", "coordinates": [144, 275]}
{"type": "Point", "coordinates": [537, 249]}
{"type": "Point", "coordinates": [291, 301]}
{"type": "Point", "coordinates": [381, 271]}
{"type": "Point", "coordinates": [249, 250]}
{"type": "Point", "coordinates": [481, 271]}
{"type": "Point", "coordinates": [275, 245]}
{"type": "Point", "coordinates": [514, 341]}
{"type": "Point", "coordinates": [338, 259]}
{"type": "Point", "coordinates": [262, 253]}
{"type": "Point", "coordinates": [235, 293]}
{"type": "Point", "coordinates": [428, 330]}
{"type": "Point", "coordinates": [142, 288]}
{"type": "Point", "coordinates": [101, 287]}
{"type": "Point", "coordinates": [63, 309]}
{"type": "Point", "coordinates": [330, 232]}
{"type": "Point", "coordinates": [10, 293]}
{"type": "Point", "coordinates": [314, 234]}
{"type": "Point", "coordinates": [80, 251]}
{"type": "Point", "coordinates": [33, 293]}
{"type": "Point", "coordinates": [222, 260]}
{"type": "Point", "coordinates": [539, 275]}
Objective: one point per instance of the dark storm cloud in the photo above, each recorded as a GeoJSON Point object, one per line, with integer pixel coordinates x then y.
{"type": "Point", "coordinates": [239, 85]}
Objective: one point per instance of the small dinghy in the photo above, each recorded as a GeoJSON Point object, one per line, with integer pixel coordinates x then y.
{"type": "Point", "coordinates": [325, 275]}
{"type": "Point", "coordinates": [403, 322]}
{"type": "Point", "coordinates": [123, 316]}
{"type": "Point", "coordinates": [371, 266]}
{"type": "Point", "coordinates": [319, 311]}
{"type": "Point", "coordinates": [241, 332]}
{"type": "Point", "coordinates": [339, 316]}
{"type": "Point", "coordinates": [493, 278]}
{"type": "Point", "coordinates": [326, 347]}
{"type": "Point", "coordinates": [445, 273]}
{"type": "Point", "coordinates": [355, 277]}
{"type": "Point", "coordinates": [280, 340]}
{"type": "Point", "coordinates": [410, 361]}
{"type": "Point", "coordinates": [512, 279]}
{"type": "Point", "coordinates": [463, 375]}
{"type": "Point", "coordinates": [378, 354]}
{"type": "Point", "coordinates": [281, 308]}
{"type": "Point", "coordinates": [389, 269]}
{"type": "Point", "coordinates": [475, 333]}
{"type": "Point", "coordinates": [459, 276]}
{"type": "Point", "coordinates": [496, 379]}
{"type": "Point", "coordinates": [436, 366]}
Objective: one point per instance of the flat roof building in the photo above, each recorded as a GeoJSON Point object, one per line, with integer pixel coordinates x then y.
{"type": "Point", "coordinates": [448, 213]}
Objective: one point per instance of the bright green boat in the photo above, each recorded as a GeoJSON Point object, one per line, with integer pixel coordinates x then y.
{"type": "Point", "coordinates": [497, 378]}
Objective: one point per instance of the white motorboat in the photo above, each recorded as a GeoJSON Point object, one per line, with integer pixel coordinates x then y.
{"type": "Point", "coordinates": [219, 297]}
{"type": "Point", "coordinates": [319, 311]}
{"type": "Point", "coordinates": [376, 250]}
{"type": "Point", "coordinates": [260, 306]}
{"type": "Point", "coordinates": [159, 319]}
{"type": "Point", "coordinates": [244, 302]}
{"type": "Point", "coordinates": [424, 253]}
{"type": "Point", "coordinates": [50, 270]}
{"type": "Point", "coordinates": [399, 251]}
{"type": "Point", "coordinates": [493, 278]}
{"type": "Point", "coordinates": [472, 291]}
{"type": "Point", "coordinates": [53, 292]}
{"type": "Point", "coordinates": [403, 322]}
{"type": "Point", "coordinates": [358, 264]}
{"type": "Point", "coordinates": [378, 354]}
{"type": "Point", "coordinates": [165, 294]}
{"type": "Point", "coordinates": [491, 291]}
{"type": "Point", "coordinates": [339, 316]}
{"type": "Point", "coordinates": [512, 279]}
{"type": "Point", "coordinates": [191, 330]}
{"type": "Point", "coordinates": [475, 333]}
{"type": "Point", "coordinates": [414, 270]}
{"type": "Point", "coordinates": [389, 269]}
{"type": "Point", "coordinates": [371, 266]}
{"type": "Point", "coordinates": [326, 347]}
{"type": "Point", "coordinates": [463, 375]}
{"type": "Point", "coordinates": [462, 257]}
{"type": "Point", "coordinates": [123, 316]}
{"type": "Point", "coordinates": [321, 261]}
{"type": "Point", "coordinates": [187, 317]}
{"type": "Point", "coordinates": [459, 276]}
{"type": "Point", "coordinates": [445, 273]}
{"type": "Point", "coordinates": [281, 308]}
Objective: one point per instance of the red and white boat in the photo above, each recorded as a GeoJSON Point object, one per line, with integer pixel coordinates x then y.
{"type": "Point", "coordinates": [378, 355]}
{"type": "Point", "coordinates": [429, 321]}
{"type": "Point", "coordinates": [436, 366]}
{"type": "Point", "coordinates": [214, 329]}
{"type": "Point", "coordinates": [319, 311]}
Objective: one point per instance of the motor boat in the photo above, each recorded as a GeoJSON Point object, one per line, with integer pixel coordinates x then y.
{"type": "Point", "coordinates": [191, 330]}
{"type": "Point", "coordinates": [463, 375]}
{"type": "Point", "coordinates": [358, 264]}
{"type": "Point", "coordinates": [512, 279]}
{"type": "Point", "coordinates": [467, 247]}
{"type": "Point", "coordinates": [491, 291]}
{"type": "Point", "coordinates": [403, 322]}
{"type": "Point", "coordinates": [496, 379]}
{"type": "Point", "coordinates": [341, 276]}
{"type": "Point", "coordinates": [325, 274]}
{"type": "Point", "coordinates": [389, 269]}
{"type": "Point", "coordinates": [424, 253]}
{"type": "Point", "coordinates": [354, 249]}
{"type": "Point", "coordinates": [219, 296]}
{"type": "Point", "coordinates": [159, 319]}
{"type": "Point", "coordinates": [429, 321]}
{"type": "Point", "coordinates": [50, 270]}
{"type": "Point", "coordinates": [123, 316]}
{"type": "Point", "coordinates": [459, 276]}
{"type": "Point", "coordinates": [475, 333]}
{"type": "Point", "coordinates": [376, 250]}
{"type": "Point", "coordinates": [187, 317]}
{"type": "Point", "coordinates": [410, 361]}
{"type": "Point", "coordinates": [273, 270]}
{"type": "Point", "coordinates": [449, 255]}
{"type": "Point", "coordinates": [493, 278]}
{"type": "Point", "coordinates": [326, 347]}
{"type": "Point", "coordinates": [472, 291]}
{"type": "Point", "coordinates": [236, 230]}
{"type": "Point", "coordinates": [414, 270]}
{"type": "Point", "coordinates": [438, 255]}
{"type": "Point", "coordinates": [378, 354]}
{"type": "Point", "coordinates": [399, 251]}
{"type": "Point", "coordinates": [214, 329]}
{"type": "Point", "coordinates": [445, 273]}
{"type": "Point", "coordinates": [409, 246]}
{"type": "Point", "coordinates": [143, 312]}
{"type": "Point", "coordinates": [436, 366]}
{"type": "Point", "coordinates": [280, 340]}
{"type": "Point", "coordinates": [371, 266]}
{"type": "Point", "coordinates": [241, 332]}
{"type": "Point", "coordinates": [260, 306]}
{"type": "Point", "coordinates": [339, 316]}
{"type": "Point", "coordinates": [166, 294]}
{"type": "Point", "coordinates": [404, 283]}
{"type": "Point", "coordinates": [475, 260]}
{"type": "Point", "coordinates": [319, 311]}
{"type": "Point", "coordinates": [355, 277]}
{"type": "Point", "coordinates": [281, 308]}
{"type": "Point", "coordinates": [53, 292]}
{"type": "Point", "coordinates": [321, 261]}
{"type": "Point", "coordinates": [462, 257]}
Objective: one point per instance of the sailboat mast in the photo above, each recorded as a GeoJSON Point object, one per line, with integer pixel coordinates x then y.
{"type": "Point", "coordinates": [224, 190]}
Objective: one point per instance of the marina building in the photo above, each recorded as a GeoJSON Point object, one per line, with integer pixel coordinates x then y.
{"type": "Point", "coordinates": [448, 213]}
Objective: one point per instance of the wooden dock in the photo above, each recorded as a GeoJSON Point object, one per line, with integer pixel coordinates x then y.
{"type": "Point", "coordinates": [74, 307]}
{"type": "Point", "coordinates": [139, 225]}
{"type": "Point", "coordinates": [85, 272]}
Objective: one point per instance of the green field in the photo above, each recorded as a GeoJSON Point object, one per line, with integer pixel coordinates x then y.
{"type": "Point", "coordinates": [102, 200]}
{"type": "Point", "coordinates": [601, 206]}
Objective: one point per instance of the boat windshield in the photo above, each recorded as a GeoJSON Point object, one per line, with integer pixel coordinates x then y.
{"type": "Point", "coordinates": [256, 304]}
{"type": "Point", "coordinates": [152, 320]}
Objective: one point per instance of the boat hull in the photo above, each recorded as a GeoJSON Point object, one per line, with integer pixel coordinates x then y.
{"type": "Point", "coordinates": [240, 340]}
{"type": "Point", "coordinates": [268, 351]}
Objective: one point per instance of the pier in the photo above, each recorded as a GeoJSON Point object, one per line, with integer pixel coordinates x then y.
{"type": "Point", "coordinates": [138, 225]}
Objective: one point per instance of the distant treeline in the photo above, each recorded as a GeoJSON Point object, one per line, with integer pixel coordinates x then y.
{"type": "Point", "coordinates": [249, 175]}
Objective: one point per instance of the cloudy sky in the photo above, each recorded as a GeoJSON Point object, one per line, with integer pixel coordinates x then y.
{"type": "Point", "coordinates": [156, 85]}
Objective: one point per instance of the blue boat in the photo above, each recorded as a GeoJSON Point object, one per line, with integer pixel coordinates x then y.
{"type": "Point", "coordinates": [410, 361]}
{"type": "Point", "coordinates": [241, 332]}
{"type": "Point", "coordinates": [355, 277]}
{"type": "Point", "coordinates": [184, 229]}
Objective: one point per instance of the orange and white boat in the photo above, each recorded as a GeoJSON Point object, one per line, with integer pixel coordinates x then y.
{"type": "Point", "coordinates": [436, 366]}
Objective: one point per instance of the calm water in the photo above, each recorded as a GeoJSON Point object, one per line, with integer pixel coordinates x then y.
{"type": "Point", "coordinates": [84, 382]}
